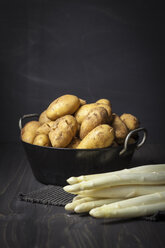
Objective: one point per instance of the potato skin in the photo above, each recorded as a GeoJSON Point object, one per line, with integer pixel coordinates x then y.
{"type": "Point", "coordinates": [64, 105]}
{"type": "Point", "coordinates": [74, 143]}
{"type": "Point", "coordinates": [95, 117]}
{"type": "Point", "coordinates": [28, 132]}
{"type": "Point", "coordinates": [100, 137]}
{"type": "Point", "coordinates": [104, 101]}
{"type": "Point", "coordinates": [63, 131]}
{"type": "Point", "coordinates": [106, 106]}
{"type": "Point", "coordinates": [41, 140]}
{"type": "Point", "coordinates": [43, 117]}
{"type": "Point", "coordinates": [45, 127]}
{"type": "Point", "coordinates": [84, 110]}
{"type": "Point", "coordinates": [120, 129]}
{"type": "Point", "coordinates": [130, 121]}
{"type": "Point", "coordinates": [82, 101]}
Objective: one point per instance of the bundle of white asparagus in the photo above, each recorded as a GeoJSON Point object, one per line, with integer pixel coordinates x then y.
{"type": "Point", "coordinates": [134, 192]}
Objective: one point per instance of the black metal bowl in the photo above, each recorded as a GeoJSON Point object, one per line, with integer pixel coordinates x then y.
{"type": "Point", "coordinates": [54, 165]}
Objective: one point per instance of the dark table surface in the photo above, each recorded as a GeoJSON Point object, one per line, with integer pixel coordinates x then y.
{"type": "Point", "coordinates": [30, 225]}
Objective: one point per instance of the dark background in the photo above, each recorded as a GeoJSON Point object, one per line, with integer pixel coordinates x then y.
{"type": "Point", "coordinates": [93, 49]}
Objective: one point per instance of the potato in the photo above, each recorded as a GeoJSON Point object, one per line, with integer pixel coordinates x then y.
{"type": "Point", "coordinates": [31, 126]}
{"type": "Point", "coordinates": [82, 101]}
{"type": "Point", "coordinates": [107, 107]}
{"type": "Point", "coordinates": [120, 129]}
{"type": "Point", "coordinates": [94, 118]}
{"type": "Point", "coordinates": [64, 105]}
{"type": "Point", "coordinates": [74, 143]}
{"type": "Point", "coordinates": [83, 111]}
{"type": "Point", "coordinates": [105, 101]}
{"type": "Point", "coordinates": [110, 119]}
{"type": "Point", "coordinates": [70, 122]}
{"type": "Point", "coordinates": [78, 130]}
{"type": "Point", "coordinates": [63, 131]}
{"type": "Point", "coordinates": [43, 117]}
{"type": "Point", "coordinates": [41, 140]}
{"type": "Point", "coordinates": [45, 128]}
{"type": "Point", "coordinates": [130, 121]}
{"type": "Point", "coordinates": [28, 132]}
{"type": "Point", "coordinates": [28, 137]}
{"type": "Point", "coordinates": [100, 137]}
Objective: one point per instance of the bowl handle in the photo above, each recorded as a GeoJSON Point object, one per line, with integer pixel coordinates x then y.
{"type": "Point", "coordinates": [141, 129]}
{"type": "Point", "coordinates": [24, 117]}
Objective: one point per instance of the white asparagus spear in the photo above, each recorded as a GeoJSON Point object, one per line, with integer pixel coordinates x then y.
{"type": "Point", "coordinates": [130, 212]}
{"type": "Point", "coordinates": [77, 197]}
{"type": "Point", "coordinates": [87, 206]}
{"type": "Point", "coordinates": [137, 206]}
{"type": "Point", "coordinates": [73, 204]}
{"type": "Point", "coordinates": [119, 179]}
{"type": "Point", "coordinates": [139, 169]}
{"type": "Point", "coordinates": [124, 191]}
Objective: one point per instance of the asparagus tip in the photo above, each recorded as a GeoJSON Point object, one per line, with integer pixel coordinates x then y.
{"type": "Point", "coordinates": [71, 180]}
{"type": "Point", "coordinates": [68, 207]}
{"type": "Point", "coordinates": [95, 212]}
{"type": "Point", "coordinates": [66, 188]}
{"type": "Point", "coordinates": [78, 209]}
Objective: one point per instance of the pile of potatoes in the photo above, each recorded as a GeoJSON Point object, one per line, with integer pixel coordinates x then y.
{"type": "Point", "coordinates": [72, 123]}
